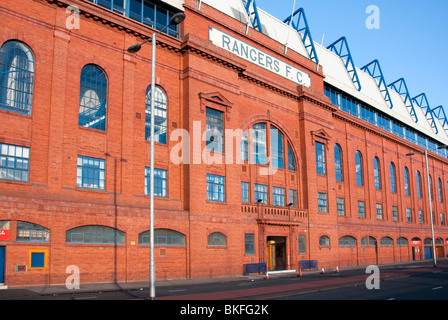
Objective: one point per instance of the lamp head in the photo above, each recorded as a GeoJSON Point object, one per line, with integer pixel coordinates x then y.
{"type": "Point", "coordinates": [177, 18]}
{"type": "Point", "coordinates": [134, 48]}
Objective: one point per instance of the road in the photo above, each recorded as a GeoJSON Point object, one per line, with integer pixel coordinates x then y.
{"type": "Point", "coordinates": [410, 282]}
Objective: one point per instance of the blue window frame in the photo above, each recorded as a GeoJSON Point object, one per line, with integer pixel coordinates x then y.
{"type": "Point", "coordinates": [393, 178]}
{"type": "Point", "coordinates": [91, 173]}
{"type": "Point", "coordinates": [215, 188]}
{"type": "Point", "coordinates": [214, 130]}
{"type": "Point", "coordinates": [322, 204]}
{"type": "Point", "coordinates": [245, 192]}
{"type": "Point", "coordinates": [277, 148]}
{"type": "Point", "coordinates": [150, 13]}
{"type": "Point", "coordinates": [291, 159]}
{"type": "Point", "coordinates": [160, 182]}
{"type": "Point", "coordinates": [419, 184]}
{"type": "Point", "coordinates": [261, 193]}
{"type": "Point", "coordinates": [93, 98]}
{"type": "Point", "coordinates": [16, 77]}
{"type": "Point", "coordinates": [406, 181]}
{"type": "Point", "coordinates": [30, 232]}
{"type": "Point", "coordinates": [249, 243]}
{"type": "Point", "coordinates": [95, 234]}
{"type": "Point", "coordinates": [320, 158]}
{"type": "Point", "coordinates": [338, 163]}
{"type": "Point", "coordinates": [440, 190]}
{"type": "Point", "coordinates": [14, 162]}
{"type": "Point", "coordinates": [377, 173]}
{"type": "Point", "coordinates": [260, 144]}
{"type": "Point", "coordinates": [278, 196]}
{"type": "Point", "coordinates": [293, 197]}
{"type": "Point", "coordinates": [165, 237]}
{"type": "Point", "coordinates": [359, 169]}
{"type": "Point", "coordinates": [160, 115]}
{"type": "Point", "coordinates": [217, 239]}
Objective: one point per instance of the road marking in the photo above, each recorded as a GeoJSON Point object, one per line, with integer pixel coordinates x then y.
{"type": "Point", "coordinates": [437, 288]}
{"type": "Point", "coordinates": [180, 290]}
{"type": "Point", "coordinates": [82, 298]}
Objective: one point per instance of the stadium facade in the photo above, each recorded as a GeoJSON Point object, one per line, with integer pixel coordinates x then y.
{"type": "Point", "coordinates": [269, 148]}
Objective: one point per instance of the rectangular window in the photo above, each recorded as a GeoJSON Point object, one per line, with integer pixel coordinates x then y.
{"type": "Point", "coordinates": [420, 216]}
{"type": "Point", "coordinates": [160, 182]}
{"type": "Point", "coordinates": [245, 192]}
{"type": "Point", "coordinates": [261, 193]}
{"type": "Point", "coordinates": [361, 209]}
{"type": "Point", "coordinates": [320, 158]}
{"type": "Point", "coordinates": [408, 215]}
{"type": "Point", "coordinates": [442, 219]}
{"type": "Point", "coordinates": [214, 130]}
{"type": "Point", "coordinates": [249, 243]}
{"type": "Point", "coordinates": [14, 162]}
{"type": "Point", "coordinates": [341, 206]}
{"type": "Point", "coordinates": [322, 205]}
{"type": "Point", "coordinates": [379, 211]}
{"type": "Point", "coordinates": [293, 197]}
{"type": "Point", "coordinates": [302, 244]}
{"type": "Point", "coordinates": [394, 213]}
{"type": "Point", "coordinates": [278, 196]}
{"type": "Point", "coordinates": [215, 188]}
{"type": "Point", "coordinates": [91, 173]}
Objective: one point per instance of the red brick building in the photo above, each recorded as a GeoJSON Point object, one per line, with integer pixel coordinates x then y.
{"type": "Point", "coordinates": [310, 167]}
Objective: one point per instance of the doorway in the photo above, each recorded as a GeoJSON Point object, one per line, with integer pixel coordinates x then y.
{"type": "Point", "coordinates": [2, 264]}
{"type": "Point", "coordinates": [276, 253]}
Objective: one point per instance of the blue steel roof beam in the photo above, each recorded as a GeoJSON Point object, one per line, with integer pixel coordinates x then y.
{"type": "Point", "coordinates": [401, 88]}
{"type": "Point", "coordinates": [304, 32]}
{"type": "Point", "coordinates": [252, 12]}
{"type": "Point", "coordinates": [439, 112]}
{"type": "Point", "coordinates": [340, 47]}
{"type": "Point", "coordinates": [374, 69]}
{"type": "Point", "coordinates": [422, 102]}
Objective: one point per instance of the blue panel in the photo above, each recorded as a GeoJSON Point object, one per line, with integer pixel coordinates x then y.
{"type": "Point", "coordinates": [2, 264]}
{"type": "Point", "coordinates": [37, 259]}
{"type": "Point", "coordinates": [252, 11]}
{"type": "Point", "coordinates": [401, 88]}
{"type": "Point", "coordinates": [301, 25]}
{"type": "Point", "coordinates": [374, 70]}
{"type": "Point", "coordinates": [340, 47]}
{"type": "Point", "coordinates": [422, 102]}
{"type": "Point", "coordinates": [439, 113]}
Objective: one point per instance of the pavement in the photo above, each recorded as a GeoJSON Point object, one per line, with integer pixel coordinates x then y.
{"type": "Point", "coordinates": [409, 267]}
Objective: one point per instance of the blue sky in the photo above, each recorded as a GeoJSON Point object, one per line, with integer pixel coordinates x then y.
{"type": "Point", "coordinates": [411, 42]}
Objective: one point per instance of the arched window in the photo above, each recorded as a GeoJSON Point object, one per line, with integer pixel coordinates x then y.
{"type": "Point", "coordinates": [359, 169]}
{"type": "Point", "coordinates": [93, 98]}
{"type": "Point", "coordinates": [166, 237]}
{"type": "Point", "coordinates": [393, 178]}
{"type": "Point", "coordinates": [95, 234]}
{"type": "Point", "coordinates": [406, 181]}
{"type": "Point", "coordinates": [260, 143]}
{"type": "Point", "coordinates": [291, 159]}
{"type": "Point", "coordinates": [324, 241]}
{"type": "Point", "coordinates": [402, 242]}
{"type": "Point", "coordinates": [16, 77]}
{"type": "Point", "coordinates": [27, 231]}
{"type": "Point", "coordinates": [216, 239]}
{"type": "Point", "coordinates": [338, 162]}
{"type": "Point", "coordinates": [368, 241]}
{"type": "Point", "coordinates": [277, 148]}
{"type": "Point", "coordinates": [347, 241]}
{"type": "Point", "coordinates": [419, 184]}
{"type": "Point", "coordinates": [386, 241]}
{"type": "Point", "coordinates": [377, 173]}
{"type": "Point", "coordinates": [160, 115]}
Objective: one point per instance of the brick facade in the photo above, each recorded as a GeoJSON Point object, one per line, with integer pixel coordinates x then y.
{"type": "Point", "coordinates": [195, 74]}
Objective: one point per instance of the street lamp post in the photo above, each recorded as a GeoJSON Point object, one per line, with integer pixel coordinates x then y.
{"type": "Point", "coordinates": [434, 259]}
{"type": "Point", "coordinates": [175, 20]}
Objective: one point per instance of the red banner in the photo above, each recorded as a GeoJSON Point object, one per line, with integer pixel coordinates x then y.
{"type": "Point", "coordinates": [4, 235]}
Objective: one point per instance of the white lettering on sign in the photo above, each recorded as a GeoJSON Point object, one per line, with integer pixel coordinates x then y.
{"type": "Point", "coordinates": [260, 58]}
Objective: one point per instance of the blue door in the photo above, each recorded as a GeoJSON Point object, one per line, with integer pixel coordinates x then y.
{"type": "Point", "coordinates": [2, 264]}
{"type": "Point", "coordinates": [428, 252]}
